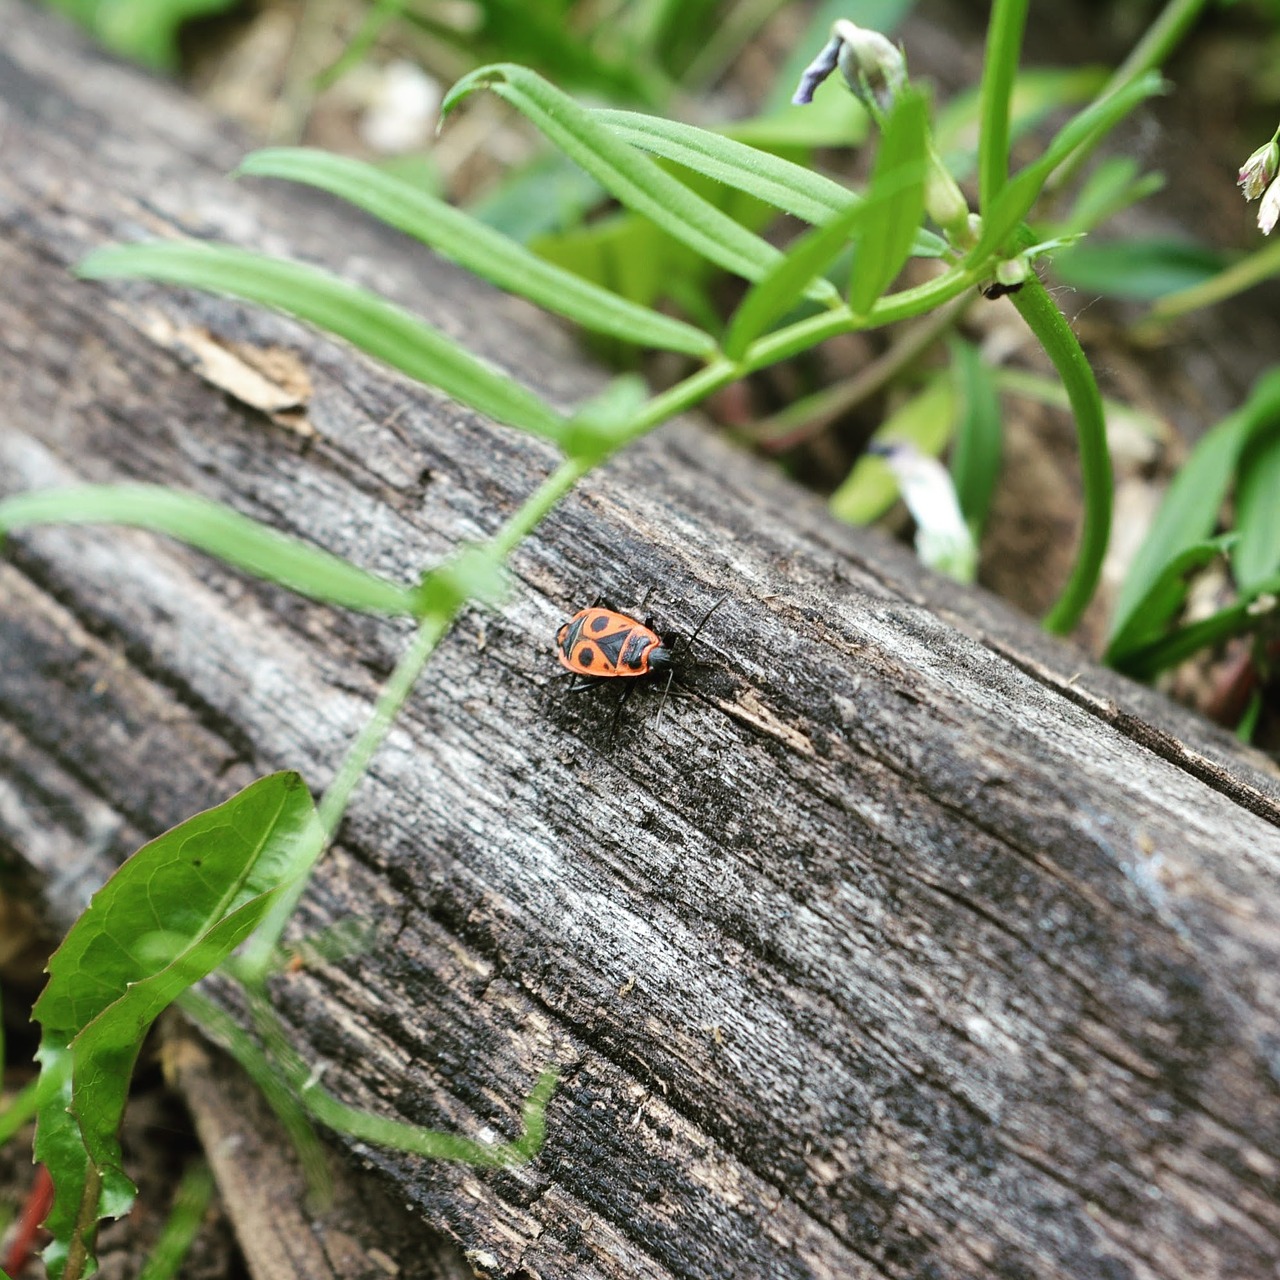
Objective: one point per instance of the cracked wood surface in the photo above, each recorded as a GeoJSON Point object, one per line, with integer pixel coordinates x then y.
{"type": "Point", "coordinates": [911, 945]}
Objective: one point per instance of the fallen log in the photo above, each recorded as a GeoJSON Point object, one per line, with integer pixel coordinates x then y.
{"type": "Point", "coordinates": [910, 945]}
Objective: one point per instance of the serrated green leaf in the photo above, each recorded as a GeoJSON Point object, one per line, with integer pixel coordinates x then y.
{"type": "Point", "coordinates": [925, 421]}
{"type": "Point", "coordinates": [976, 453]}
{"type": "Point", "coordinates": [1256, 556]}
{"type": "Point", "coordinates": [895, 202]}
{"type": "Point", "coordinates": [479, 249]}
{"type": "Point", "coordinates": [368, 322]}
{"type": "Point", "coordinates": [169, 916]}
{"type": "Point", "coordinates": [1016, 197]}
{"type": "Point", "coordinates": [215, 529]}
{"type": "Point", "coordinates": [630, 176]}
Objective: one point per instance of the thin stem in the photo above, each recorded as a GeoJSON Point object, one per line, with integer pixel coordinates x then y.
{"type": "Point", "coordinates": [1050, 326]}
{"type": "Point", "coordinates": [1242, 275]}
{"type": "Point", "coordinates": [1000, 70]}
{"type": "Point", "coordinates": [1149, 54]}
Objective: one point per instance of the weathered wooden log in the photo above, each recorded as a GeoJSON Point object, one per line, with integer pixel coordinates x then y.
{"type": "Point", "coordinates": [911, 945]}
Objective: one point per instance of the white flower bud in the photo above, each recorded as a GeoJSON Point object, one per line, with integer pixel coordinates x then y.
{"type": "Point", "coordinates": [872, 65]}
{"type": "Point", "coordinates": [1269, 209]}
{"type": "Point", "coordinates": [1259, 169]}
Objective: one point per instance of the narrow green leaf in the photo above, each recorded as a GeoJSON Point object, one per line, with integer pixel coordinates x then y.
{"type": "Point", "coordinates": [999, 74]}
{"type": "Point", "coordinates": [366, 321]}
{"type": "Point", "coordinates": [782, 287]}
{"type": "Point", "coordinates": [1190, 508]}
{"type": "Point", "coordinates": [1017, 196]}
{"type": "Point", "coordinates": [925, 421]}
{"type": "Point", "coordinates": [781, 183]}
{"type": "Point", "coordinates": [976, 454]}
{"type": "Point", "coordinates": [478, 248]}
{"type": "Point", "coordinates": [1146, 662]}
{"type": "Point", "coordinates": [895, 202]}
{"type": "Point", "coordinates": [215, 529]}
{"type": "Point", "coordinates": [169, 916]}
{"type": "Point", "coordinates": [1164, 597]}
{"type": "Point", "coordinates": [1256, 556]}
{"type": "Point", "coordinates": [629, 175]}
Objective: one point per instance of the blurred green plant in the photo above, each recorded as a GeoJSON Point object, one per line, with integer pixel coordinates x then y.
{"type": "Point", "coordinates": [232, 877]}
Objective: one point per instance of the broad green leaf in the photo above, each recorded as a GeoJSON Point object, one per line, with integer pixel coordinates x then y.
{"type": "Point", "coordinates": [1164, 597]}
{"type": "Point", "coordinates": [782, 287]}
{"type": "Point", "coordinates": [479, 249]}
{"type": "Point", "coordinates": [366, 321]}
{"type": "Point", "coordinates": [925, 421]}
{"type": "Point", "coordinates": [1190, 508]}
{"type": "Point", "coordinates": [895, 202]}
{"type": "Point", "coordinates": [169, 916]}
{"type": "Point", "coordinates": [1016, 197]}
{"type": "Point", "coordinates": [218, 530]}
{"type": "Point", "coordinates": [781, 183]}
{"type": "Point", "coordinates": [630, 176]}
{"type": "Point", "coordinates": [1256, 555]}
{"type": "Point", "coordinates": [1140, 269]}
{"type": "Point", "coordinates": [976, 453]}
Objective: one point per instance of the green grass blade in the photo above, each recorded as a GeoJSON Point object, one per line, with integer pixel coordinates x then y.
{"type": "Point", "coordinates": [1194, 498]}
{"type": "Point", "coordinates": [479, 248]}
{"type": "Point", "coordinates": [218, 530]}
{"type": "Point", "coordinates": [1237, 619]}
{"type": "Point", "coordinates": [1018, 195]}
{"type": "Point", "coordinates": [366, 321]}
{"type": "Point", "coordinates": [895, 202]}
{"type": "Point", "coordinates": [169, 916]}
{"type": "Point", "coordinates": [1164, 597]}
{"type": "Point", "coordinates": [976, 455]}
{"type": "Point", "coordinates": [999, 75]}
{"type": "Point", "coordinates": [190, 1204]}
{"type": "Point", "coordinates": [782, 287]}
{"type": "Point", "coordinates": [1256, 556]}
{"type": "Point", "coordinates": [631, 177]}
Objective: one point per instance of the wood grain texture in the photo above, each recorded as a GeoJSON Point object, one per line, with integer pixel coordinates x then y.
{"type": "Point", "coordinates": [912, 945]}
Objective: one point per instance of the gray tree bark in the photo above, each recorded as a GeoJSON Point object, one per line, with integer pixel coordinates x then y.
{"type": "Point", "coordinates": [911, 945]}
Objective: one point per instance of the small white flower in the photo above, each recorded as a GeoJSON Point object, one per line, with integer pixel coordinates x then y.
{"type": "Point", "coordinates": [1269, 209]}
{"type": "Point", "coordinates": [1259, 169]}
{"type": "Point", "coordinates": [943, 540]}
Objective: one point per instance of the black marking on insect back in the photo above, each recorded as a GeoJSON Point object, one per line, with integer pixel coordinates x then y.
{"type": "Point", "coordinates": [599, 623]}
{"type": "Point", "coordinates": [611, 646]}
{"type": "Point", "coordinates": [568, 635]}
{"type": "Point", "coordinates": [585, 656]}
{"type": "Point", "coordinates": [632, 656]}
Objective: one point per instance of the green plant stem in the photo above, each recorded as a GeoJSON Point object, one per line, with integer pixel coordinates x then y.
{"type": "Point", "coordinates": [1238, 277]}
{"type": "Point", "coordinates": [1050, 326]}
{"type": "Point", "coordinates": [1000, 70]}
{"type": "Point", "coordinates": [189, 1207]}
{"type": "Point", "coordinates": [1150, 53]}
{"type": "Point", "coordinates": [257, 958]}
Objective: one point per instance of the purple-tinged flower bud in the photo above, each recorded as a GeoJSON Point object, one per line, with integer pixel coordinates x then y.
{"type": "Point", "coordinates": [872, 65]}
{"type": "Point", "coordinates": [1259, 169]}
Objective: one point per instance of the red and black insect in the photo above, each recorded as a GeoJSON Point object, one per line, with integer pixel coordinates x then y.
{"type": "Point", "coordinates": [600, 644]}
